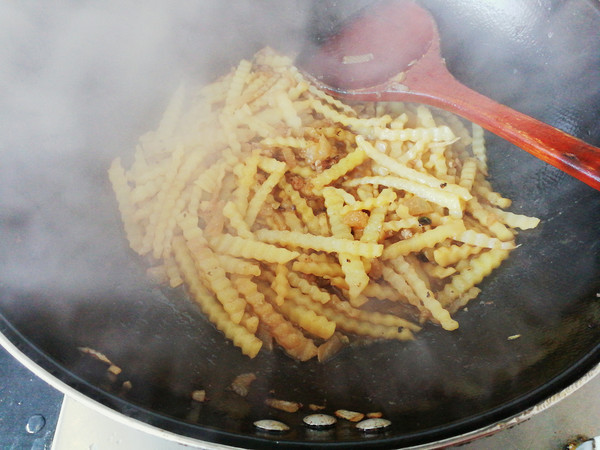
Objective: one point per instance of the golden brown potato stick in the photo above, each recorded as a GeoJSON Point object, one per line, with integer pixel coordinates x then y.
{"type": "Point", "coordinates": [263, 191]}
{"type": "Point", "coordinates": [446, 256]}
{"type": "Point", "coordinates": [320, 243]}
{"type": "Point", "coordinates": [321, 269]}
{"type": "Point", "coordinates": [118, 180]}
{"type": "Point", "coordinates": [251, 249]}
{"type": "Point", "coordinates": [241, 337]}
{"type": "Point", "coordinates": [286, 335]}
{"type": "Point", "coordinates": [353, 325]}
{"type": "Point", "coordinates": [426, 239]}
{"type": "Point", "coordinates": [436, 195]}
{"type": "Point", "coordinates": [307, 319]}
{"type": "Point", "coordinates": [237, 220]}
{"type": "Point", "coordinates": [280, 283]}
{"type": "Point", "coordinates": [307, 288]}
{"type": "Point", "coordinates": [238, 266]}
{"type": "Point", "coordinates": [426, 296]}
{"type": "Point", "coordinates": [406, 172]}
{"type": "Point", "coordinates": [375, 317]}
{"type": "Point", "coordinates": [479, 267]}
{"type": "Point", "coordinates": [208, 264]}
{"type": "Point", "coordinates": [345, 165]}
{"type": "Point", "coordinates": [352, 266]}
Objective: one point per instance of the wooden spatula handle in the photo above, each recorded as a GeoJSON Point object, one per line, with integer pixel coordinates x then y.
{"type": "Point", "coordinates": [566, 152]}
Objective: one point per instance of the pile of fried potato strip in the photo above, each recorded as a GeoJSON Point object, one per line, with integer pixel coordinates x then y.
{"type": "Point", "coordinates": [295, 220]}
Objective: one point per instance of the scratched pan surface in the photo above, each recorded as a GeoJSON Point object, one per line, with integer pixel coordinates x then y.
{"type": "Point", "coordinates": [67, 278]}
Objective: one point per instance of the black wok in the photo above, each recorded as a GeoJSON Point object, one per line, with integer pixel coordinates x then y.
{"type": "Point", "coordinates": [81, 82]}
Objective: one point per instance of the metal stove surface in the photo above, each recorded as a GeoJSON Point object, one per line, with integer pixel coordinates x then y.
{"type": "Point", "coordinates": [33, 415]}
{"type": "Point", "coordinates": [29, 407]}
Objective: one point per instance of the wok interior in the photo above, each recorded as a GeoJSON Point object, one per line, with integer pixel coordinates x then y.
{"type": "Point", "coordinates": [69, 280]}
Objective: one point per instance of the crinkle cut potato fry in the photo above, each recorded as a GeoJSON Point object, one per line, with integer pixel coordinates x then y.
{"type": "Point", "coordinates": [284, 210]}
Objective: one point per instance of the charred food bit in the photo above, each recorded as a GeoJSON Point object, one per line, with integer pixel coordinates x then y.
{"type": "Point", "coordinates": [283, 405]}
{"type": "Point", "coordinates": [314, 407]}
{"type": "Point", "coordinates": [356, 219]}
{"type": "Point", "coordinates": [273, 426]}
{"type": "Point", "coordinates": [424, 220]}
{"type": "Point", "coordinates": [352, 416]}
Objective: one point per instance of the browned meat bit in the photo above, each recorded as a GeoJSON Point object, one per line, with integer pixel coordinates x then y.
{"type": "Point", "coordinates": [288, 156]}
{"type": "Point", "coordinates": [241, 384]}
{"type": "Point", "coordinates": [318, 152]}
{"type": "Point", "coordinates": [352, 416]}
{"type": "Point", "coordinates": [296, 181]}
{"type": "Point", "coordinates": [356, 219]}
{"type": "Point", "coordinates": [283, 405]}
{"type": "Point", "coordinates": [314, 407]}
{"type": "Point", "coordinates": [375, 415]}
{"type": "Point", "coordinates": [340, 146]}
{"type": "Point", "coordinates": [330, 162]}
{"type": "Point", "coordinates": [260, 177]}
{"type": "Point", "coordinates": [418, 206]}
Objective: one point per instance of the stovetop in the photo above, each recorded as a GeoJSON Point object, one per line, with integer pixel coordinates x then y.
{"type": "Point", "coordinates": [34, 415]}
{"type": "Point", "coordinates": [29, 408]}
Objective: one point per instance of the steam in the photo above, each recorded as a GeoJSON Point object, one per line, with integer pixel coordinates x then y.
{"type": "Point", "coordinates": [79, 83]}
